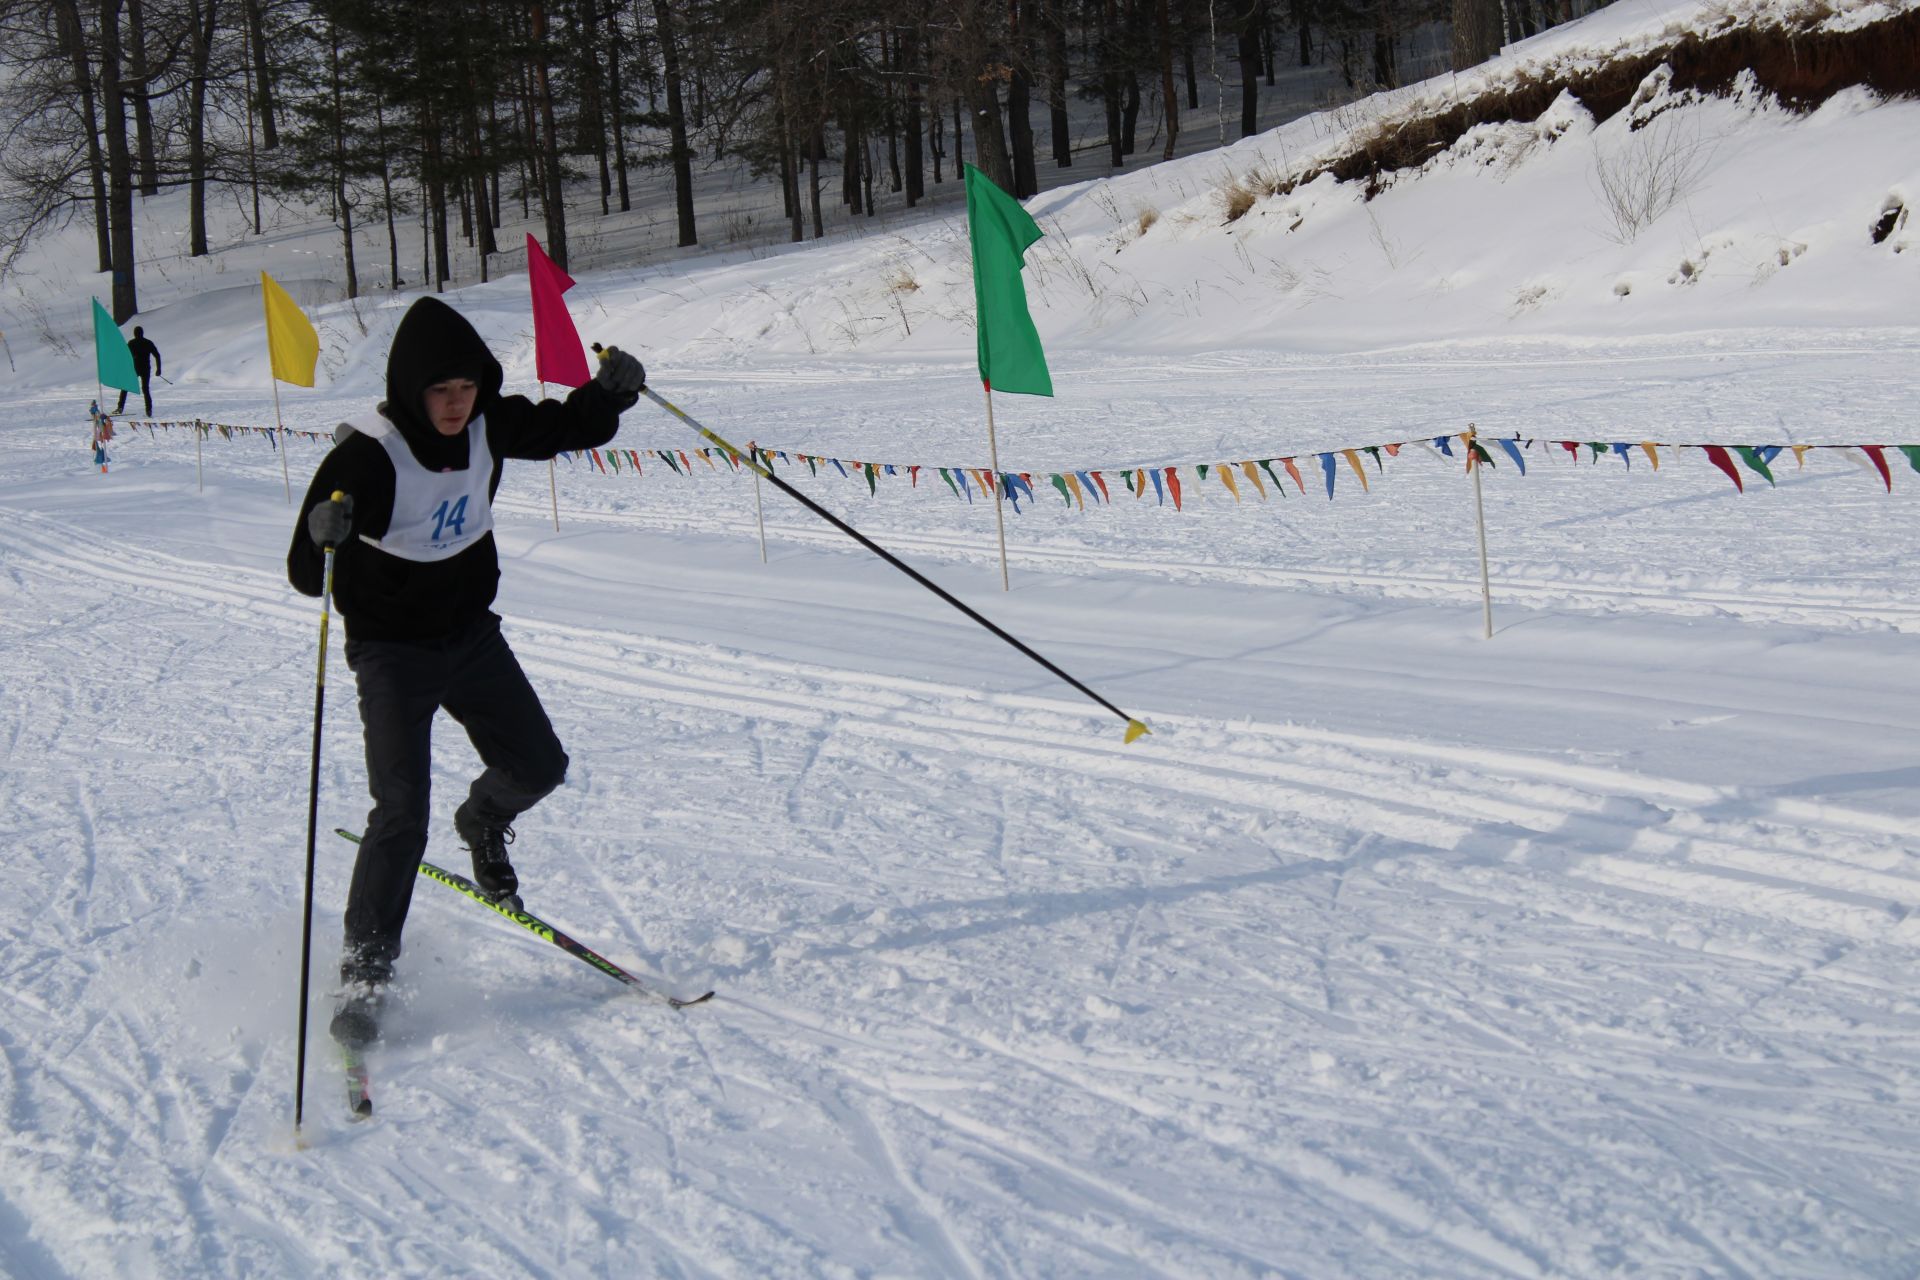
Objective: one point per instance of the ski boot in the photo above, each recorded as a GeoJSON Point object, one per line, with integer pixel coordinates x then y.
{"type": "Point", "coordinates": [487, 841]}
{"type": "Point", "coordinates": [363, 995]}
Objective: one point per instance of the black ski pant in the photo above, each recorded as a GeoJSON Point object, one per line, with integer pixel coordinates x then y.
{"type": "Point", "coordinates": [475, 677]}
{"type": "Point", "coordinates": [146, 394]}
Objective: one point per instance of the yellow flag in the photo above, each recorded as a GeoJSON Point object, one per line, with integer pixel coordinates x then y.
{"type": "Point", "coordinates": [293, 348]}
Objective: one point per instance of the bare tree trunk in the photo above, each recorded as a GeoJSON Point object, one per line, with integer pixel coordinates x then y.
{"type": "Point", "coordinates": [618, 94]}
{"type": "Point", "coordinates": [936, 126]}
{"type": "Point", "coordinates": [1476, 32]}
{"type": "Point", "coordinates": [340, 162]}
{"type": "Point", "coordinates": [253, 157]}
{"type": "Point", "coordinates": [1057, 86]}
{"type": "Point", "coordinates": [682, 153]}
{"type": "Point", "coordinates": [204, 25]}
{"type": "Point", "coordinates": [553, 196]}
{"type": "Point", "coordinates": [915, 89]}
{"type": "Point", "coordinates": [1169, 96]}
{"type": "Point", "coordinates": [126, 298]}
{"type": "Point", "coordinates": [1110, 79]}
{"type": "Point", "coordinates": [263, 85]}
{"type": "Point", "coordinates": [1247, 34]}
{"type": "Point", "coordinates": [386, 194]}
{"type": "Point", "coordinates": [73, 36]}
{"type": "Point", "coordinates": [1026, 177]}
{"type": "Point", "coordinates": [989, 133]}
{"type": "Point", "coordinates": [816, 146]}
{"type": "Point", "coordinates": [139, 82]}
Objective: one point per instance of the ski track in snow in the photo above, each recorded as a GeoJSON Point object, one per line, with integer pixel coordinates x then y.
{"type": "Point", "coordinates": [998, 995]}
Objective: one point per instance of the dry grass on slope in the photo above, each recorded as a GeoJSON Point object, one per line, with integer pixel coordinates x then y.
{"type": "Point", "coordinates": [1799, 63]}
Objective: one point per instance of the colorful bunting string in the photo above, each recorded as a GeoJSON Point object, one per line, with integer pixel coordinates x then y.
{"type": "Point", "coordinates": [1084, 486]}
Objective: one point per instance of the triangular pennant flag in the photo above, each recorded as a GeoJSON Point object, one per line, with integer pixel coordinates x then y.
{"type": "Point", "coordinates": [1751, 456]}
{"type": "Point", "coordinates": [1718, 456]}
{"type": "Point", "coordinates": [293, 348]}
{"type": "Point", "coordinates": [558, 355]}
{"type": "Point", "coordinates": [1173, 486]}
{"type": "Point", "coordinates": [1513, 451]}
{"type": "Point", "coordinates": [1879, 456]}
{"type": "Point", "coordinates": [1326, 465]}
{"type": "Point", "coordinates": [111, 356]}
{"type": "Point", "coordinates": [1353, 460]}
{"type": "Point", "coordinates": [1000, 231]}
{"type": "Point", "coordinates": [1010, 491]}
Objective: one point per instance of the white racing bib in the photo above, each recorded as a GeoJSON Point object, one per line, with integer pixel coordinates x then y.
{"type": "Point", "coordinates": [436, 514]}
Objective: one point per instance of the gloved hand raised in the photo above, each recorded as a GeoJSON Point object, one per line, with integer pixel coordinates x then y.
{"type": "Point", "coordinates": [622, 376]}
{"type": "Point", "coordinates": [331, 521]}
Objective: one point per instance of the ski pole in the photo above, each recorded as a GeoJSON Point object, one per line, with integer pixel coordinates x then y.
{"type": "Point", "coordinates": [313, 814]}
{"type": "Point", "coordinates": [1135, 727]}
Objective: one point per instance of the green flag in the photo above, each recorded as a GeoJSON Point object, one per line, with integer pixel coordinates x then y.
{"type": "Point", "coordinates": [110, 352]}
{"type": "Point", "coordinates": [1000, 231]}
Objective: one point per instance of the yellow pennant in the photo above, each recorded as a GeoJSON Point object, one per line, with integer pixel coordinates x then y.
{"type": "Point", "coordinates": [293, 348]}
{"type": "Point", "coordinates": [1353, 460]}
{"type": "Point", "coordinates": [1074, 486]}
{"type": "Point", "coordinates": [1226, 477]}
{"type": "Point", "coordinates": [1253, 473]}
{"type": "Point", "coordinates": [1652, 451]}
{"type": "Point", "coordinates": [1800, 454]}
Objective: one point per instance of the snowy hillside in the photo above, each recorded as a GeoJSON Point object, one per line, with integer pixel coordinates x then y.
{"type": "Point", "coordinates": [1587, 950]}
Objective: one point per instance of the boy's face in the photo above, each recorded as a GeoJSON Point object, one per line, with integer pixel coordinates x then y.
{"type": "Point", "coordinates": [449, 404]}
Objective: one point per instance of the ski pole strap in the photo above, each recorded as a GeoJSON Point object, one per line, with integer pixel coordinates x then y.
{"type": "Point", "coordinates": [1135, 728]}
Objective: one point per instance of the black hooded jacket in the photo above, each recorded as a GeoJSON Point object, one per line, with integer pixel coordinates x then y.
{"type": "Point", "coordinates": [382, 596]}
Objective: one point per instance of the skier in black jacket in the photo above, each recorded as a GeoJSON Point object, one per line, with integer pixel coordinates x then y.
{"type": "Point", "coordinates": [144, 354]}
{"type": "Point", "coordinates": [415, 572]}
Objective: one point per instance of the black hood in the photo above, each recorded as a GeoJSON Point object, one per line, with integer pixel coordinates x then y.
{"type": "Point", "coordinates": [434, 343]}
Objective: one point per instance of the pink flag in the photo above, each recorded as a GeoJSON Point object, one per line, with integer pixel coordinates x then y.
{"type": "Point", "coordinates": [558, 355]}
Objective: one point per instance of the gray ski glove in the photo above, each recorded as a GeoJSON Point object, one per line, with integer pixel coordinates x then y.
{"type": "Point", "coordinates": [331, 521]}
{"type": "Point", "coordinates": [622, 376]}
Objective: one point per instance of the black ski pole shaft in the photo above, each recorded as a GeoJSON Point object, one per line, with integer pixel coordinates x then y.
{"type": "Point", "coordinates": [1135, 727]}
{"type": "Point", "coordinates": [313, 817]}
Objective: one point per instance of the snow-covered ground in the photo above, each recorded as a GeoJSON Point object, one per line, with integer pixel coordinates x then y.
{"type": "Point", "coordinates": [1394, 951]}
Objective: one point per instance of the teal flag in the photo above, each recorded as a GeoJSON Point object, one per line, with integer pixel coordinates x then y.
{"type": "Point", "coordinates": [1001, 231]}
{"type": "Point", "coordinates": [110, 352]}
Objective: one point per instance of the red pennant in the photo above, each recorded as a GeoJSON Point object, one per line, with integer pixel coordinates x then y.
{"type": "Point", "coordinates": [1718, 456]}
{"type": "Point", "coordinates": [1173, 486]}
{"type": "Point", "coordinates": [1878, 453]}
{"type": "Point", "coordinates": [558, 355]}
